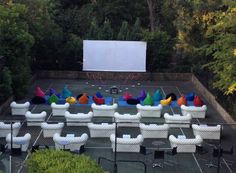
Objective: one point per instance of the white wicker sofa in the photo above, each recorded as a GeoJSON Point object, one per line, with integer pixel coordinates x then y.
{"type": "Point", "coordinates": [126, 144]}
{"type": "Point", "coordinates": [50, 129]}
{"type": "Point", "coordinates": [19, 108]}
{"type": "Point", "coordinates": [59, 109]}
{"type": "Point", "coordinates": [127, 120]}
{"type": "Point", "coordinates": [185, 145]}
{"type": "Point", "coordinates": [104, 110]}
{"type": "Point", "coordinates": [19, 141]}
{"type": "Point", "coordinates": [35, 119]}
{"type": "Point", "coordinates": [149, 111]}
{"type": "Point", "coordinates": [195, 112]}
{"type": "Point", "coordinates": [69, 142]}
{"type": "Point", "coordinates": [177, 120]}
{"type": "Point", "coordinates": [101, 130]}
{"type": "Point", "coordinates": [154, 130]}
{"type": "Point", "coordinates": [6, 128]}
{"type": "Point", "coordinates": [207, 132]}
{"type": "Point", "coordinates": [79, 119]}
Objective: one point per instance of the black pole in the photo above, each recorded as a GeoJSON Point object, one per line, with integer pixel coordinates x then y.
{"type": "Point", "coordinates": [11, 137]}
{"type": "Point", "coordinates": [219, 151]}
{"type": "Point", "coordinates": [115, 164]}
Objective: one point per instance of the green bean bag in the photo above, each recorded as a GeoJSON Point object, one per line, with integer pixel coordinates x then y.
{"type": "Point", "coordinates": [148, 100]}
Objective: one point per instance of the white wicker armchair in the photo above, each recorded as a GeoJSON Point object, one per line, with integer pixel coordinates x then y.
{"type": "Point", "coordinates": [207, 132]}
{"type": "Point", "coordinates": [59, 110]}
{"type": "Point", "coordinates": [18, 108]}
{"type": "Point", "coordinates": [69, 142]}
{"type": "Point", "coordinates": [50, 129]}
{"type": "Point", "coordinates": [177, 120]}
{"type": "Point", "coordinates": [6, 128]}
{"type": "Point", "coordinates": [104, 110]}
{"type": "Point", "coordinates": [127, 120]}
{"type": "Point", "coordinates": [149, 111]}
{"type": "Point", "coordinates": [19, 141]}
{"type": "Point", "coordinates": [195, 112]}
{"type": "Point", "coordinates": [126, 144]}
{"type": "Point", "coordinates": [154, 130]}
{"type": "Point", "coordinates": [35, 119]}
{"type": "Point", "coordinates": [78, 119]}
{"type": "Point", "coordinates": [101, 130]}
{"type": "Point", "coordinates": [185, 145]}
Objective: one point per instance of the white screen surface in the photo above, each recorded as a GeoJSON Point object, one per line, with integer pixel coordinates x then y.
{"type": "Point", "coordinates": [125, 56]}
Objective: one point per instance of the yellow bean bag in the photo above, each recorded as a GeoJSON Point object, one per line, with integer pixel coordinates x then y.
{"type": "Point", "coordinates": [71, 100]}
{"type": "Point", "coordinates": [166, 102]}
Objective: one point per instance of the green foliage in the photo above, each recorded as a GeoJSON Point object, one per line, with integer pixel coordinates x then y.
{"type": "Point", "coordinates": [5, 84]}
{"type": "Point", "coordinates": [106, 32]}
{"type": "Point", "coordinates": [222, 47]}
{"type": "Point", "coordinates": [136, 31]}
{"type": "Point", "coordinates": [15, 45]}
{"type": "Point", "coordinates": [124, 31]}
{"type": "Point", "coordinates": [159, 50]}
{"type": "Point", "coordinates": [57, 161]}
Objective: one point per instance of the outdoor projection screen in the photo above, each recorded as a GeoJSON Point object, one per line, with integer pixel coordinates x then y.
{"type": "Point", "coordinates": [120, 56]}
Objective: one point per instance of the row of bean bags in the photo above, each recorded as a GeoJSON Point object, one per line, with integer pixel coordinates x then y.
{"type": "Point", "coordinates": [148, 100]}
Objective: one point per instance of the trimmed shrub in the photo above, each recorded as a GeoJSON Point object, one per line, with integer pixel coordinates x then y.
{"type": "Point", "coordinates": [58, 161]}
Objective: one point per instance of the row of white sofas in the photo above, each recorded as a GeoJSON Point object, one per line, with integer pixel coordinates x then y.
{"type": "Point", "coordinates": [109, 110]}
{"type": "Point", "coordinates": [124, 144]}
{"type": "Point", "coordinates": [105, 130]}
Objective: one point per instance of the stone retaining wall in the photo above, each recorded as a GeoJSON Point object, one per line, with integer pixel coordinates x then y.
{"type": "Point", "coordinates": [114, 75]}
{"type": "Point", "coordinates": [212, 100]}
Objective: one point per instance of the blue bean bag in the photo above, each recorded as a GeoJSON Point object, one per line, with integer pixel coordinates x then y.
{"type": "Point", "coordinates": [99, 95]}
{"type": "Point", "coordinates": [157, 95]}
{"type": "Point", "coordinates": [66, 93]}
{"type": "Point", "coordinates": [190, 96]}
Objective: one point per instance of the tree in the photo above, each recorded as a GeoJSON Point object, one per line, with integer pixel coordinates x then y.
{"type": "Point", "coordinates": [124, 31]}
{"type": "Point", "coordinates": [136, 31]}
{"type": "Point", "coordinates": [106, 32]}
{"type": "Point", "coordinates": [15, 45]}
{"type": "Point", "coordinates": [222, 46]}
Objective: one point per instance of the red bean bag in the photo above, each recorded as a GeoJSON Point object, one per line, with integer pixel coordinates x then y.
{"type": "Point", "coordinates": [98, 101]}
{"type": "Point", "coordinates": [198, 101]}
{"type": "Point", "coordinates": [127, 96]}
{"type": "Point", "coordinates": [182, 101]}
{"type": "Point", "coordinates": [39, 92]}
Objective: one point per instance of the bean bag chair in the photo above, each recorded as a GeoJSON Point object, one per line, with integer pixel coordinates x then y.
{"type": "Point", "coordinates": [182, 101]}
{"type": "Point", "coordinates": [39, 92]}
{"type": "Point", "coordinates": [71, 100]}
{"type": "Point", "coordinates": [157, 95]}
{"type": "Point", "coordinates": [84, 99]}
{"type": "Point", "coordinates": [38, 100]}
{"type": "Point", "coordinates": [66, 92]}
{"type": "Point", "coordinates": [80, 95]}
{"type": "Point", "coordinates": [133, 101]}
{"type": "Point", "coordinates": [148, 100]}
{"type": "Point", "coordinates": [142, 95]}
{"type": "Point", "coordinates": [98, 101]}
{"type": "Point", "coordinates": [172, 95]}
{"type": "Point", "coordinates": [198, 101]}
{"type": "Point", "coordinates": [190, 96]}
{"type": "Point", "coordinates": [53, 99]}
{"type": "Point", "coordinates": [99, 95]}
{"type": "Point", "coordinates": [53, 91]}
{"type": "Point", "coordinates": [127, 96]}
{"type": "Point", "coordinates": [166, 102]}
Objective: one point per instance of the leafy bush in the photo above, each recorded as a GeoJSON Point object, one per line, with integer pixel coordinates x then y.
{"type": "Point", "coordinates": [58, 161]}
{"type": "Point", "coordinates": [5, 84]}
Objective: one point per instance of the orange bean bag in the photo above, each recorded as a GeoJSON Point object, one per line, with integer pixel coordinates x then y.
{"type": "Point", "coordinates": [84, 99]}
{"type": "Point", "coordinates": [182, 101]}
